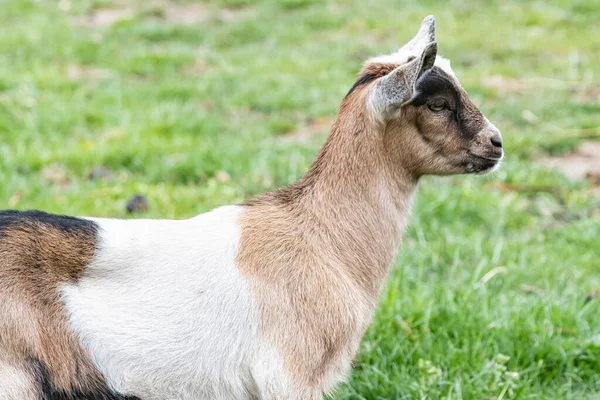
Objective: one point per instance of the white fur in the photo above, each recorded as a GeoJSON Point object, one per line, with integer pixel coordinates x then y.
{"type": "Point", "coordinates": [386, 91]}
{"type": "Point", "coordinates": [16, 383]}
{"type": "Point", "coordinates": [400, 58]}
{"type": "Point", "coordinates": [165, 314]}
{"type": "Point", "coordinates": [415, 47]}
{"type": "Point", "coordinates": [444, 65]}
{"type": "Point", "coordinates": [487, 133]}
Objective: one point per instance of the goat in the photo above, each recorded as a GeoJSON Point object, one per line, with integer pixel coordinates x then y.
{"type": "Point", "coordinates": [264, 300]}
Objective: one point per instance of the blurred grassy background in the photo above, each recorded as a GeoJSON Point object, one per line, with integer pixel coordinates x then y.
{"type": "Point", "coordinates": [197, 104]}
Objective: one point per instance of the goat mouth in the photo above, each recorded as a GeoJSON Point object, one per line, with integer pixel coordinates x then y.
{"type": "Point", "coordinates": [481, 164]}
{"type": "Point", "coordinates": [495, 159]}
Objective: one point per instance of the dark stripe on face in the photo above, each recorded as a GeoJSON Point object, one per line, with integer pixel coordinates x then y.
{"type": "Point", "coordinates": [361, 81]}
{"type": "Point", "coordinates": [48, 391]}
{"type": "Point", "coordinates": [436, 85]}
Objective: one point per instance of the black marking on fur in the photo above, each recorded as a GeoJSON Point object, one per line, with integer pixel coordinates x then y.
{"type": "Point", "coordinates": [48, 391]}
{"type": "Point", "coordinates": [363, 80]}
{"type": "Point", "coordinates": [437, 84]}
{"type": "Point", "coordinates": [11, 218]}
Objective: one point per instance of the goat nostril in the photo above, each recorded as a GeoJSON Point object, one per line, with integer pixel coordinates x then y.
{"type": "Point", "coordinates": [497, 141]}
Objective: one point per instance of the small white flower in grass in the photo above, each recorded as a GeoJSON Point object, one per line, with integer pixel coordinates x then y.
{"type": "Point", "coordinates": [502, 379]}
{"type": "Point", "coordinates": [431, 377]}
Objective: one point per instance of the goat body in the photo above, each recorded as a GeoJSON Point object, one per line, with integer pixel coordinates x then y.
{"type": "Point", "coordinates": [263, 300]}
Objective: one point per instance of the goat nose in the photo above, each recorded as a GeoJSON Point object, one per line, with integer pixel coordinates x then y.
{"type": "Point", "coordinates": [497, 141]}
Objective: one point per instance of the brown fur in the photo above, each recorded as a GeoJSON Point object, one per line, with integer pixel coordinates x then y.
{"type": "Point", "coordinates": [317, 252]}
{"type": "Point", "coordinates": [36, 257]}
{"type": "Point", "coordinates": [377, 70]}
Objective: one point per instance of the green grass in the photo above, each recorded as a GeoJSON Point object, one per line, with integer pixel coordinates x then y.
{"type": "Point", "coordinates": [488, 296]}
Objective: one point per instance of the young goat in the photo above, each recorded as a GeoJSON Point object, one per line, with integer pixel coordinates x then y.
{"type": "Point", "coordinates": [264, 300]}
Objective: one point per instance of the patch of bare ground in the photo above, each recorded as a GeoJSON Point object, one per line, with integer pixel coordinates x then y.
{"type": "Point", "coordinates": [55, 174]}
{"type": "Point", "coordinates": [198, 68]}
{"type": "Point", "coordinates": [584, 163]}
{"type": "Point", "coordinates": [170, 11]}
{"type": "Point", "coordinates": [581, 91]}
{"type": "Point", "coordinates": [77, 72]}
{"type": "Point", "coordinates": [309, 130]}
{"type": "Point", "coordinates": [235, 14]}
{"type": "Point", "coordinates": [590, 95]}
{"type": "Point", "coordinates": [193, 13]}
{"type": "Point", "coordinates": [505, 84]}
{"type": "Point", "coordinates": [186, 14]}
{"type": "Point", "coordinates": [104, 17]}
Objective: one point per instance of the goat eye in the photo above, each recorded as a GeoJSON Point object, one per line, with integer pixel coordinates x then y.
{"type": "Point", "coordinates": [437, 106]}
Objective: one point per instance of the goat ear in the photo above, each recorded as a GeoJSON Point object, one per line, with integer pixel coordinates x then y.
{"type": "Point", "coordinates": [398, 87]}
{"type": "Point", "coordinates": [427, 58]}
{"type": "Point", "coordinates": [425, 35]}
